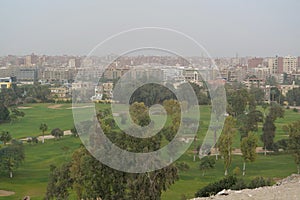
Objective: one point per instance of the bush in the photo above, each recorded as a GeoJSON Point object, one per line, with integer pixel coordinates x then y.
{"type": "Point", "coordinates": [295, 110]}
{"type": "Point", "coordinates": [282, 144]}
{"type": "Point", "coordinates": [239, 185]}
{"type": "Point", "coordinates": [182, 166]}
{"type": "Point", "coordinates": [30, 100]}
{"type": "Point", "coordinates": [214, 188]}
{"type": "Point", "coordinates": [259, 182]}
{"type": "Point", "coordinates": [236, 171]}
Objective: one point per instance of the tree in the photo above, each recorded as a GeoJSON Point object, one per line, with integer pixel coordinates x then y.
{"type": "Point", "coordinates": [293, 130]}
{"type": "Point", "coordinates": [206, 163]}
{"type": "Point", "coordinates": [5, 137]}
{"type": "Point", "coordinates": [11, 157]}
{"type": "Point", "coordinates": [15, 113]}
{"type": "Point", "coordinates": [238, 100]}
{"type": "Point", "coordinates": [249, 122]}
{"type": "Point", "coordinates": [93, 180]}
{"type": "Point", "coordinates": [276, 111]}
{"type": "Point", "coordinates": [139, 114]}
{"type": "Point", "coordinates": [57, 133]}
{"type": "Point", "coordinates": [268, 133]}
{"type": "Point", "coordinates": [264, 107]}
{"type": "Point", "coordinates": [74, 132]}
{"type": "Point", "coordinates": [4, 113]}
{"type": "Point", "coordinates": [226, 140]}
{"type": "Point", "coordinates": [43, 128]}
{"type": "Point", "coordinates": [258, 94]}
{"type": "Point", "coordinates": [59, 182]}
{"type": "Point", "coordinates": [293, 97]}
{"type": "Point", "coordinates": [248, 148]}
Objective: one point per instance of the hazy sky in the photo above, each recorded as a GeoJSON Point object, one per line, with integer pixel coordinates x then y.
{"type": "Point", "coordinates": [224, 27]}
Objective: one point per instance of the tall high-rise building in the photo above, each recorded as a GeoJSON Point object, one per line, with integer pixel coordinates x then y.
{"type": "Point", "coordinates": [290, 64]}
{"type": "Point", "coordinates": [275, 65]}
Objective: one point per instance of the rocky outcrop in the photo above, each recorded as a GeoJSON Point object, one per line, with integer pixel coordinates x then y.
{"type": "Point", "coordinates": [288, 188]}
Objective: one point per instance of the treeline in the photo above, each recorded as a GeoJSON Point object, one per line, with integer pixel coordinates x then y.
{"type": "Point", "coordinates": [10, 98]}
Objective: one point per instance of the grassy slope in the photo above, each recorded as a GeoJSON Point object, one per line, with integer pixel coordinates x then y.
{"type": "Point", "coordinates": [275, 166]}
{"type": "Point", "coordinates": [31, 178]}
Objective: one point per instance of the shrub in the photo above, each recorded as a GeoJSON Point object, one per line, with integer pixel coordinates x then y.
{"type": "Point", "coordinates": [30, 100]}
{"type": "Point", "coordinates": [182, 166]}
{"type": "Point", "coordinates": [214, 188]}
{"type": "Point", "coordinates": [236, 171]}
{"type": "Point", "coordinates": [295, 110]}
{"type": "Point", "coordinates": [282, 144]}
{"type": "Point", "coordinates": [239, 185]}
{"type": "Point", "coordinates": [259, 182]}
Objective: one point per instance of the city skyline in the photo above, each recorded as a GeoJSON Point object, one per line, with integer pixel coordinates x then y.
{"type": "Point", "coordinates": [256, 28]}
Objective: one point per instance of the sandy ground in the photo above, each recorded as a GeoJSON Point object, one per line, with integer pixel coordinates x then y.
{"type": "Point", "coordinates": [78, 107]}
{"type": "Point", "coordinates": [24, 107]}
{"type": "Point", "coordinates": [286, 189]}
{"type": "Point", "coordinates": [57, 106]}
{"type": "Point", "coordinates": [4, 193]}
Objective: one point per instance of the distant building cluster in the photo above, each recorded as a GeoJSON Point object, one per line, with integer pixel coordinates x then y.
{"type": "Point", "coordinates": [59, 72]}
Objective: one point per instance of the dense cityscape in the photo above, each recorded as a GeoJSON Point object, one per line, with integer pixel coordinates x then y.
{"type": "Point", "coordinates": [59, 72]}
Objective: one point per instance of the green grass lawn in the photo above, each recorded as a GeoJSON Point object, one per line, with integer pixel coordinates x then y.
{"type": "Point", "coordinates": [275, 166]}
{"type": "Point", "coordinates": [37, 114]}
{"type": "Point", "coordinates": [32, 176]}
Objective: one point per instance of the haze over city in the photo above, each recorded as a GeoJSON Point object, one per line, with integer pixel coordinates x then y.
{"type": "Point", "coordinates": [224, 28]}
{"type": "Point", "coordinates": [150, 100]}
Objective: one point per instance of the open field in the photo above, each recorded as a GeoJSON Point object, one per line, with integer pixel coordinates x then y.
{"type": "Point", "coordinates": [35, 114]}
{"type": "Point", "coordinates": [32, 176]}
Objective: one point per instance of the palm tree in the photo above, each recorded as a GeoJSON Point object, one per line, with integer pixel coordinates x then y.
{"type": "Point", "coordinates": [43, 128]}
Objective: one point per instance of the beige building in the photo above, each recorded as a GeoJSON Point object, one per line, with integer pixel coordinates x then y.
{"type": "Point", "coordinates": [285, 88]}
{"type": "Point", "coordinates": [61, 93]}
{"type": "Point", "coordinates": [290, 64]}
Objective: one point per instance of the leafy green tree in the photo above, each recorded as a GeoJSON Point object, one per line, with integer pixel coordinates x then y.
{"type": "Point", "coordinates": [43, 128]}
{"type": "Point", "coordinates": [293, 130]}
{"type": "Point", "coordinates": [226, 140]}
{"type": "Point", "coordinates": [5, 137]}
{"type": "Point", "coordinates": [249, 122]}
{"type": "Point", "coordinates": [91, 179]}
{"type": "Point", "coordinates": [4, 113]}
{"type": "Point", "coordinates": [271, 81]}
{"type": "Point", "coordinates": [15, 113]}
{"type": "Point", "coordinates": [268, 135]}
{"type": "Point", "coordinates": [276, 111]}
{"type": "Point", "coordinates": [57, 133]}
{"type": "Point", "coordinates": [59, 182]}
{"type": "Point", "coordinates": [139, 114]}
{"type": "Point", "coordinates": [264, 107]}
{"type": "Point", "coordinates": [151, 94]}
{"type": "Point", "coordinates": [238, 100]}
{"type": "Point", "coordinates": [206, 163]}
{"type": "Point", "coordinates": [11, 157]}
{"type": "Point", "coordinates": [248, 148]}
{"type": "Point", "coordinates": [258, 94]}
{"type": "Point", "coordinates": [293, 97]}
